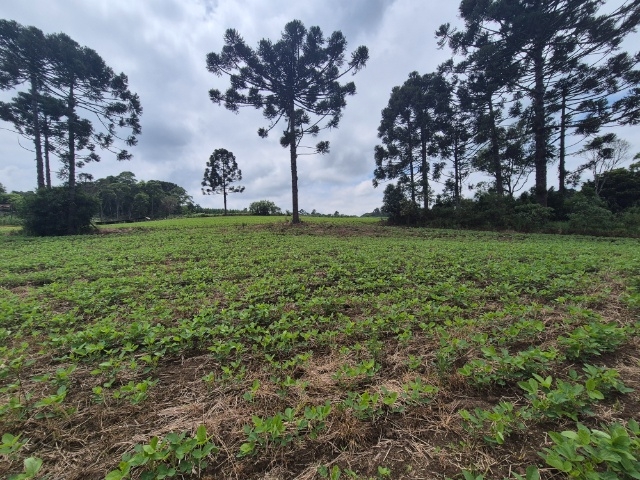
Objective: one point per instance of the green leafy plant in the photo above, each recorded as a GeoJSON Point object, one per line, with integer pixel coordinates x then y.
{"type": "Point", "coordinates": [593, 339]}
{"type": "Point", "coordinates": [32, 466]}
{"type": "Point", "coordinates": [500, 366]}
{"type": "Point", "coordinates": [495, 424]}
{"type": "Point", "coordinates": [175, 454]}
{"type": "Point", "coordinates": [250, 395]}
{"type": "Point", "coordinates": [566, 400]}
{"type": "Point", "coordinates": [609, 453]}
{"type": "Point", "coordinates": [416, 392]}
{"type": "Point", "coordinates": [11, 445]}
{"type": "Point", "coordinates": [363, 405]}
{"type": "Point", "coordinates": [284, 427]}
{"type": "Point", "coordinates": [135, 392]}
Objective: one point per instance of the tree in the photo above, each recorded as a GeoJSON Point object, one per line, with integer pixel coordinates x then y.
{"type": "Point", "coordinates": [581, 100]}
{"type": "Point", "coordinates": [621, 190]}
{"type": "Point", "coordinates": [294, 79]}
{"type": "Point", "coordinates": [50, 129]}
{"type": "Point", "coordinates": [24, 59]}
{"type": "Point", "coordinates": [46, 212]}
{"type": "Point", "coordinates": [458, 144]}
{"type": "Point", "coordinates": [396, 204]}
{"type": "Point", "coordinates": [397, 130]}
{"type": "Point", "coordinates": [540, 41]}
{"type": "Point", "coordinates": [77, 76]}
{"type": "Point", "coordinates": [222, 170]}
{"type": "Point", "coordinates": [457, 135]}
{"type": "Point", "coordinates": [603, 154]}
{"type": "Point", "coordinates": [86, 83]}
{"type": "Point", "coordinates": [413, 119]}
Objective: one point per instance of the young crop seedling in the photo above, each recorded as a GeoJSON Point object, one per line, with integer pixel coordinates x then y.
{"type": "Point", "coordinates": [175, 454]}
{"type": "Point", "coordinates": [593, 339]}
{"type": "Point", "coordinates": [496, 424]}
{"type": "Point", "coordinates": [611, 452]}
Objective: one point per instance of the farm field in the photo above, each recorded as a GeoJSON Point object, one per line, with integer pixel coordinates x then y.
{"type": "Point", "coordinates": [245, 348]}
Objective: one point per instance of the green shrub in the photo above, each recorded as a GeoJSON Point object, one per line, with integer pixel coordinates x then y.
{"type": "Point", "coordinates": [630, 218]}
{"type": "Point", "coordinates": [531, 217]}
{"type": "Point", "coordinates": [264, 207]}
{"type": "Point", "coordinates": [589, 215]}
{"type": "Point", "coordinates": [47, 212]}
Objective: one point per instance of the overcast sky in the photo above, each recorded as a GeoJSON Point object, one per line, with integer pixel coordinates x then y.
{"type": "Point", "coordinates": [161, 46]}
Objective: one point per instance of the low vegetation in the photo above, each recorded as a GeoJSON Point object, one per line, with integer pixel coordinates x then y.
{"type": "Point", "coordinates": [241, 347]}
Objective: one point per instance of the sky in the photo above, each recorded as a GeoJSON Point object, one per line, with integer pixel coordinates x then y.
{"type": "Point", "coordinates": [161, 45]}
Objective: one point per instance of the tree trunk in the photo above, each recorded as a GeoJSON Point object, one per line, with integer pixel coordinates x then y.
{"type": "Point", "coordinates": [456, 170]}
{"type": "Point", "coordinates": [540, 157]}
{"type": "Point", "coordinates": [224, 189]}
{"type": "Point", "coordinates": [562, 172]}
{"type": "Point", "coordinates": [495, 151]}
{"type": "Point", "coordinates": [47, 165]}
{"type": "Point", "coordinates": [224, 195]}
{"type": "Point", "coordinates": [36, 131]}
{"type": "Point", "coordinates": [294, 167]}
{"type": "Point", "coordinates": [410, 159]}
{"type": "Point", "coordinates": [71, 159]}
{"type": "Point", "coordinates": [425, 168]}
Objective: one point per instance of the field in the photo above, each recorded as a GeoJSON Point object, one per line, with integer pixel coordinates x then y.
{"type": "Point", "coordinates": [245, 348]}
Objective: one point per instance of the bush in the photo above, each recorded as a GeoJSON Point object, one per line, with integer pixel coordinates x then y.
{"type": "Point", "coordinates": [398, 208]}
{"type": "Point", "coordinates": [589, 215]}
{"type": "Point", "coordinates": [264, 207]}
{"type": "Point", "coordinates": [630, 218]}
{"type": "Point", "coordinates": [47, 212]}
{"type": "Point", "coordinates": [531, 217]}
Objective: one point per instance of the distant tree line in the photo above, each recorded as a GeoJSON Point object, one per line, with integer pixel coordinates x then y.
{"type": "Point", "coordinates": [123, 198]}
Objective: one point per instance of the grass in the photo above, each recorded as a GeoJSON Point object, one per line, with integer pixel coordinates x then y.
{"type": "Point", "coordinates": [339, 346]}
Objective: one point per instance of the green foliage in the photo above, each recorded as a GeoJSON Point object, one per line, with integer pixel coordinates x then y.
{"type": "Point", "coordinates": [176, 454]}
{"type": "Point", "coordinates": [11, 445]}
{"type": "Point", "coordinates": [531, 217]}
{"type": "Point", "coordinates": [123, 198]}
{"type": "Point", "coordinates": [46, 213]}
{"type": "Point", "coordinates": [398, 208]}
{"type": "Point", "coordinates": [416, 392]}
{"type": "Point", "coordinates": [495, 424]}
{"type": "Point", "coordinates": [532, 473]}
{"type": "Point", "coordinates": [500, 366]}
{"type": "Point", "coordinates": [335, 472]}
{"type": "Point", "coordinates": [589, 214]}
{"type": "Point", "coordinates": [410, 124]}
{"type": "Point", "coordinates": [127, 307]}
{"type": "Point", "coordinates": [32, 466]}
{"type": "Point", "coordinates": [566, 400]}
{"type": "Point", "coordinates": [593, 339]}
{"type": "Point", "coordinates": [570, 399]}
{"type": "Point", "coordinates": [284, 427]}
{"type": "Point", "coordinates": [609, 453]}
{"type": "Point", "coordinates": [264, 207]}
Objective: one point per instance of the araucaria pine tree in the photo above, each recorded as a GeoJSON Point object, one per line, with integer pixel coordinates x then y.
{"type": "Point", "coordinates": [222, 170]}
{"type": "Point", "coordinates": [295, 79]}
